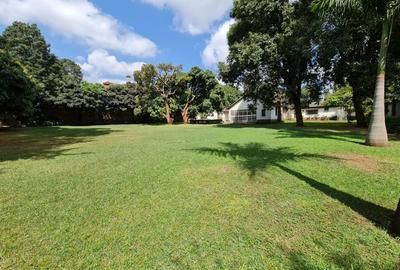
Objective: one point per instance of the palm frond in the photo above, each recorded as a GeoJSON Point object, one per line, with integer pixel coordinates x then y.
{"type": "Point", "coordinates": [393, 7]}
{"type": "Point", "coordinates": [339, 5]}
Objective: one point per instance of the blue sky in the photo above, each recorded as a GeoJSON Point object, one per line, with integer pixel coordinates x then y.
{"type": "Point", "coordinates": [109, 39]}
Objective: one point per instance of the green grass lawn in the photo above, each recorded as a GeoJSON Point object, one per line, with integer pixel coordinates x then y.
{"type": "Point", "coordinates": [197, 197]}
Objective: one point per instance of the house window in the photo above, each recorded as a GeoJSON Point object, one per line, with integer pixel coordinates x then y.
{"type": "Point", "coordinates": [243, 116]}
{"type": "Point", "coordinates": [312, 112]}
{"type": "Point", "coordinates": [277, 110]}
{"type": "Point", "coordinates": [264, 112]}
{"type": "Point", "coordinates": [326, 109]}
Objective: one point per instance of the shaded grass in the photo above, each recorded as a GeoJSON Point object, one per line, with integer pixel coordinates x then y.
{"type": "Point", "coordinates": [199, 197]}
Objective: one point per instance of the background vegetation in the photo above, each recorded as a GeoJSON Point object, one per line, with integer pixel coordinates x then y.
{"type": "Point", "coordinates": [38, 88]}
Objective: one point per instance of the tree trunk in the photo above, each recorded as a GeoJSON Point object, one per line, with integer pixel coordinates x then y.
{"type": "Point", "coordinates": [358, 109]}
{"type": "Point", "coordinates": [377, 134]}
{"type": "Point", "coordinates": [297, 106]}
{"type": "Point", "coordinates": [168, 117]}
{"type": "Point", "coordinates": [185, 114]}
{"type": "Point", "coordinates": [279, 108]}
{"type": "Point", "coordinates": [395, 226]}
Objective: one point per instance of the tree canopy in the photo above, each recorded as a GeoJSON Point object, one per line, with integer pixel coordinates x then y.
{"type": "Point", "coordinates": [16, 88]}
{"type": "Point", "coordinates": [386, 13]}
{"type": "Point", "coordinates": [271, 50]}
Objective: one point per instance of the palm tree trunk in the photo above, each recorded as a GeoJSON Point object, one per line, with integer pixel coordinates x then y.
{"type": "Point", "coordinates": [377, 134]}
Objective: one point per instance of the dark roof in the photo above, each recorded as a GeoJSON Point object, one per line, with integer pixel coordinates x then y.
{"type": "Point", "coordinates": [236, 102]}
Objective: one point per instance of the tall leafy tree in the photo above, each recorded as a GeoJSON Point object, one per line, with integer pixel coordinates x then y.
{"type": "Point", "coordinates": [26, 44]}
{"type": "Point", "coordinates": [167, 86]}
{"type": "Point", "coordinates": [223, 96]}
{"type": "Point", "coordinates": [148, 104]}
{"type": "Point", "coordinates": [62, 90]}
{"type": "Point", "coordinates": [386, 11]}
{"type": "Point", "coordinates": [348, 51]}
{"type": "Point", "coordinates": [71, 74]}
{"type": "Point", "coordinates": [16, 88]}
{"type": "Point", "coordinates": [271, 48]}
{"type": "Point", "coordinates": [200, 83]}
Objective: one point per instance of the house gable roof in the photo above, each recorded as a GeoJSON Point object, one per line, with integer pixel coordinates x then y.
{"type": "Point", "coordinates": [233, 105]}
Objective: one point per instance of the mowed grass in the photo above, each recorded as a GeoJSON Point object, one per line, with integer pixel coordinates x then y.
{"type": "Point", "coordinates": [197, 197]}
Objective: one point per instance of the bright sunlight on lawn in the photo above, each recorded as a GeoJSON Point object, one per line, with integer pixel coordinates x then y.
{"type": "Point", "coordinates": [199, 197]}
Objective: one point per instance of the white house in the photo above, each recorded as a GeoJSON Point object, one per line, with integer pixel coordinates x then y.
{"type": "Point", "coordinates": [212, 116]}
{"type": "Point", "coordinates": [318, 112]}
{"type": "Point", "coordinates": [247, 112]}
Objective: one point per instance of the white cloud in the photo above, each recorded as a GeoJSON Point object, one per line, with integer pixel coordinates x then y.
{"type": "Point", "coordinates": [217, 49]}
{"type": "Point", "coordinates": [80, 20]}
{"type": "Point", "coordinates": [100, 66]}
{"type": "Point", "coordinates": [194, 16]}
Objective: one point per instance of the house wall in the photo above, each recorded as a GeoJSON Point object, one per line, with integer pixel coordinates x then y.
{"type": "Point", "coordinates": [271, 114]}
{"type": "Point", "coordinates": [330, 112]}
{"type": "Point", "coordinates": [321, 113]}
{"type": "Point", "coordinates": [244, 105]}
{"type": "Point", "coordinates": [212, 116]}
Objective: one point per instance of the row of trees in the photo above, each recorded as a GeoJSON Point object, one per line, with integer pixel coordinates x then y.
{"type": "Point", "coordinates": [278, 48]}
{"type": "Point", "coordinates": [165, 90]}
{"type": "Point", "coordinates": [37, 86]}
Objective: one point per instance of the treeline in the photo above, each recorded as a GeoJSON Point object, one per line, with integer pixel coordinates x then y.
{"type": "Point", "coordinates": [37, 88]}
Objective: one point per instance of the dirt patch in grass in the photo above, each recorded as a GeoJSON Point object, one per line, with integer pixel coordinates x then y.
{"type": "Point", "coordinates": [360, 162]}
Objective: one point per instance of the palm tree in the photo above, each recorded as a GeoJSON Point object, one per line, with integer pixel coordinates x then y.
{"type": "Point", "coordinates": [386, 10]}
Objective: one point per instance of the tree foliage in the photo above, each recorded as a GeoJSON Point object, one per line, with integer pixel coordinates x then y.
{"type": "Point", "coordinates": [223, 96]}
{"type": "Point", "coordinates": [26, 44]}
{"type": "Point", "coordinates": [271, 49]}
{"type": "Point", "coordinates": [199, 83]}
{"type": "Point", "coordinates": [349, 51]}
{"type": "Point", "coordinates": [16, 88]}
{"type": "Point", "coordinates": [342, 97]}
{"type": "Point", "coordinates": [386, 12]}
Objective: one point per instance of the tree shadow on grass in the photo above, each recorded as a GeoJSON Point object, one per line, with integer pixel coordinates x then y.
{"type": "Point", "coordinates": [256, 157]}
{"type": "Point", "coordinates": [344, 136]}
{"type": "Point", "coordinates": [334, 131]}
{"type": "Point", "coordinates": [44, 143]}
{"type": "Point", "coordinates": [349, 259]}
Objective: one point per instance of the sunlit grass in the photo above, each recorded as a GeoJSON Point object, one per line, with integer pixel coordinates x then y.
{"type": "Point", "coordinates": [197, 197]}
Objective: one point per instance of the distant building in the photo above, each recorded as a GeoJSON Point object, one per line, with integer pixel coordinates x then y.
{"type": "Point", "coordinates": [249, 112]}
{"type": "Point", "coordinates": [318, 112]}
{"type": "Point", "coordinates": [107, 84]}
{"type": "Point", "coordinates": [244, 112]}
{"type": "Point", "coordinates": [211, 116]}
